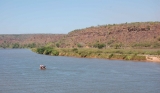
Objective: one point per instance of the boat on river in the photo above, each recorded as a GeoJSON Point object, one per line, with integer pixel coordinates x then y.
{"type": "Point", "coordinates": [42, 67]}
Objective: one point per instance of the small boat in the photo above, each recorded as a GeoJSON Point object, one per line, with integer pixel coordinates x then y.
{"type": "Point", "coordinates": [42, 67]}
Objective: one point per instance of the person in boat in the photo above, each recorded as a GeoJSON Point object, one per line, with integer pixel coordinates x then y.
{"type": "Point", "coordinates": [42, 67]}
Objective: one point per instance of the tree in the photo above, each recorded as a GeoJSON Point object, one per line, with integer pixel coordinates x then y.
{"type": "Point", "coordinates": [41, 50]}
{"type": "Point", "coordinates": [79, 45]}
{"type": "Point", "coordinates": [32, 45]}
{"type": "Point", "coordinates": [75, 50]}
{"type": "Point", "coordinates": [55, 53]}
{"type": "Point", "coordinates": [99, 45]}
{"type": "Point", "coordinates": [16, 45]}
{"type": "Point", "coordinates": [57, 44]}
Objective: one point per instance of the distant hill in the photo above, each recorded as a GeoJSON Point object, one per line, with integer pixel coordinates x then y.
{"type": "Point", "coordinates": [137, 35]}
{"type": "Point", "coordinates": [28, 40]}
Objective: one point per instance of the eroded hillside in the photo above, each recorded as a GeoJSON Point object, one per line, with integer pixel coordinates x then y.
{"type": "Point", "coordinates": [139, 34]}
{"type": "Point", "coordinates": [28, 40]}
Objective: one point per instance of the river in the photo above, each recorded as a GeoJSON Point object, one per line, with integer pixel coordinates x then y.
{"type": "Point", "coordinates": [20, 73]}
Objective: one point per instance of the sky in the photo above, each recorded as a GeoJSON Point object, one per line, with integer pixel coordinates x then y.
{"type": "Point", "coordinates": [63, 16]}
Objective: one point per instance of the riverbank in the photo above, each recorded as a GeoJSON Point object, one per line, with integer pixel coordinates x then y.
{"type": "Point", "coordinates": [153, 58]}
{"type": "Point", "coordinates": [150, 55]}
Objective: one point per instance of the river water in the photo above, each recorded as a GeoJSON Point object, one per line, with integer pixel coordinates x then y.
{"type": "Point", "coordinates": [20, 73]}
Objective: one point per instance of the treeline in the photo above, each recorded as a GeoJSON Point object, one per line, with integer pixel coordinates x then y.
{"type": "Point", "coordinates": [17, 45]}
{"type": "Point", "coordinates": [28, 40]}
{"type": "Point", "coordinates": [149, 45]}
{"type": "Point", "coordinates": [46, 51]}
{"type": "Point", "coordinates": [98, 45]}
{"type": "Point", "coordinates": [128, 54]}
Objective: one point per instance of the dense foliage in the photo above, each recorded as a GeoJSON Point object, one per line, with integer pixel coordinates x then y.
{"type": "Point", "coordinates": [99, 45]}
{"type": "Point", "coordinates": [17, 45]}
{"type": "Point", "coordinates": [124, 54]}
{"type": "Point", "coordinates": [47, 51]}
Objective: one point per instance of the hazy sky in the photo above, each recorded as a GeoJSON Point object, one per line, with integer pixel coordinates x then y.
{"type": "Point", "coordinates": [63, 16]}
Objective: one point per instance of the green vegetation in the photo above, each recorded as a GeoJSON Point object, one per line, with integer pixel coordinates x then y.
{"type": "Point", "coordinates": [57, 45]}
{"type": "Point", "coordinates": [122, 54]}
{"type": "Point", "coordinates": [17, 45]}
{"type": "Point", "coordinates": [79, 45]}
{"type": "Point", "coordinates": [47, 51]}
{"type": "Point", "coordinates": [127, 41]}
{"type": "Point", "coordinates": [146, 45]}
{"type": "Point", "coordinates": [99, 45]}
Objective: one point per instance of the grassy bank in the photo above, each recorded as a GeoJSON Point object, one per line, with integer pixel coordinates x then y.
{"type": "Point", "coordinates": [121, 54]}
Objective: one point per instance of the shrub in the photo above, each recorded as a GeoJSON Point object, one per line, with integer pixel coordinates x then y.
{"type": "Point", "coordinates": [79, 45]}
{"type": "Point", "coordinates": [158, 52]}
{"type": "Point", "coordinates": [139, 58]}
{"type": "Point", "coordinates": [75, 50]}
{"type": "Point", "coordinates": [31, 45]}
{"type": "Point", "coordinates": [118, 51]}
{"type": "Point", "coordinates": [99, 45]}
{"type": "Point", "coordinates": [110, 42]}
{"type": "Point", "coordinates": [41, 50]}
{"type": "Point", "coordinates": [54, 53]}
{"type": "Point", "coordinates": [128, 57]}
{"type": "Point", "coordinates": [142, 45]}
{"type": "Point", "coordinates": [110, 56]}
{"type": "Point", "coordinates": [82, 54]}
{"type": "Point", "coordinates": [16, 45]}
{"type": "Point", "coordinates": [47, 51]}
{"type": "Point", "coordinates": [57, 44]}
{"type": "Point", "coordinates": [156, 45]}
{"type": "Point", "coordinates": [119, 56]}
